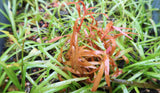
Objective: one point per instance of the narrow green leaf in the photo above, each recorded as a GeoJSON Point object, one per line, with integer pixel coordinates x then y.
{"type": "Point", "coordinates": [124, 88]}
{"type": "Point", "coordinates": [51, 57]}
{"type": "Point", "coordinates": [149, 62]}
{"type": "Point", "coordinates": [16, 92]}
{"type": "Point", "coordinates": [136, 89]}
{"type": "Point", "coordinates": [136, 76]}
{"type": "Point", "coordinates": [11, 74]}
{"type": "Point", "coordinates": [2, 77]}
{"type": "Point", "coordinates": [11, 17]}
{"type": "Point", "coordinates": [123, 52]}
{"type": "Point", "coordinates": [58, 70]}
{"type": "Point", "coordinates": [31, 80]}
{"type": "Point", "coordinates": [99, 43]}
{"type": "Point", "coordinates": [53, 87]}
{"type": "Point", "coordinates": [43, 83]}
{"type": "Point", "coordinates": [153, 74]}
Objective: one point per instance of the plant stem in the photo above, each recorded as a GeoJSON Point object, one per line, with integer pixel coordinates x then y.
{"type": "Point", "coordinates": [22, 68]}
{"type": "Point", "coordinates": [133, 83]}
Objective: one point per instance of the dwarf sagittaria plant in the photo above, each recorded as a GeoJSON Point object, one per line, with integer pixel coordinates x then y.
{"type": "Point", "coordinates": [92, 49]}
